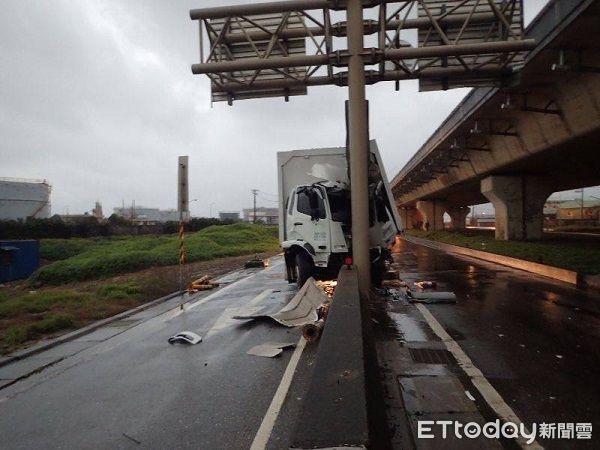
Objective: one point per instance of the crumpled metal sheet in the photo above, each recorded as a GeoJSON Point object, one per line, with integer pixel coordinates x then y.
{"type": "Point", "coordinates": [302, 309]}
{"type": "Point", "coordinates": [270, 349]}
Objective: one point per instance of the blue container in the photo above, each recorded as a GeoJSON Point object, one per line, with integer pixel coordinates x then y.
{"type": "Point", "coordinates": [18, 259]}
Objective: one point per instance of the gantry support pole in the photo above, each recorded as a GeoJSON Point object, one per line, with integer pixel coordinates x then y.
{"type": "Point", "coordinates": [359, 148]}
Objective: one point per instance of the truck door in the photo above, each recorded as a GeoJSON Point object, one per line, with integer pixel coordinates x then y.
{"type": "Point", "coordinates": [308, 222]}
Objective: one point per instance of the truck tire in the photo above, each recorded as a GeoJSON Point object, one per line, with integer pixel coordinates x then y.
{"type": "Point", "coordinates": [304, 265]}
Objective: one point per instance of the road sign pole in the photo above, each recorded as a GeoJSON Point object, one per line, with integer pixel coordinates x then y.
{"type": "Point", "coordinates": [358, 143]}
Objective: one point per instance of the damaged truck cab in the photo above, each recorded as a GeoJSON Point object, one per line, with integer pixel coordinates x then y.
{"type": "Point", "coordinates": [314, 213]}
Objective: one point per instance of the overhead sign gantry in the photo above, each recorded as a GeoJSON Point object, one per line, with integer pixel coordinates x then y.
{"type": "Point", "coordinates": [280, 49]}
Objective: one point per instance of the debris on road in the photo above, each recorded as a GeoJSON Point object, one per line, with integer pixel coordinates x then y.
{"type": "Point", "coordinates": [327, 286]}
{"type": "Point", "coordinates": [430, 297]}
{"type": "Point", "coordinates": [255, 262]}
{"type": "Point", "coordinates": [202, 284]}
{"type": "Point", "coordinates": [301, 310]}
{"type": "Point", "coordinates": [270, 349]}
{"type": "Point", "coordinates": [393, 283]}
{"type": "Point", "coordinates": [185, 337]}
{"type": "Point", "coordinates": [425, 284]}
{"type": "Point", "coordinates": [469, 396]}
{"type": "Point", "coordinates": [312, 331]}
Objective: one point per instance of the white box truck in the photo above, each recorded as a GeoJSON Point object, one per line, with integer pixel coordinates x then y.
{"type": "Point", "coordinates": [314, 213]}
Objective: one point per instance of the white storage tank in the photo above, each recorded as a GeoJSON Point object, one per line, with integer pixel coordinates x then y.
{"type": "Point", "coordinates": [20, 199]}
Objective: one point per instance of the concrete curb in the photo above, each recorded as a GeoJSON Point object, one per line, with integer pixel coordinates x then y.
{"type": "Point", "coordinates": [556, 273]}
{"type": "Point", "coordinates": [38, 348]}
{"type": "Point", "coordinates": [334, 410]}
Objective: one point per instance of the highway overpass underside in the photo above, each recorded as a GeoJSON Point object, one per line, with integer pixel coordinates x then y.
{"type": "Point", "coordinates": [515, 146]}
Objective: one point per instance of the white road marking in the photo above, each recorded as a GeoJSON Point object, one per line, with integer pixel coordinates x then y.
{"type": "Point", "coordinates": [490, 395]}
{"type": "Point", "coordinates": [266, 427]}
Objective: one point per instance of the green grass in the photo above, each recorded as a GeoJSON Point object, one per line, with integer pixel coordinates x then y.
{"type": "Point", "coordinates": [98, 258]}
{"type": "Point", "coordinates": [26, 316]}
{"type": "Point", "coordinates": [582, 255]}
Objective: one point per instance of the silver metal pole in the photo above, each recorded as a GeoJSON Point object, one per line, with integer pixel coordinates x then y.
{"type": "Point", "coordinates": [359, 150]}
{"type": "Point", "coordinates": [277, 62]}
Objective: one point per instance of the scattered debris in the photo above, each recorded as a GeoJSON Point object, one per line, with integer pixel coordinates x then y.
{"type": "Point", "coordinates": [393, 283]}
{"type": "Point", "coordinates": [425, 284]}
{"type": "Point", "coordinates": [469, 396]}
{"type": "Point", "coordinates": [327, 286]}
{"type": "Point", "coordinates": [202, 284]}
{"type": "Point", "coordinates": [313, 331]}
{"type": "Point", "coordinates": [301, 310]}
{"type": "Point", "coordinates": [255, 262]}
{"type": "Point", "coordinates": [185, 337]}
{"type": "Point", "coordinates": [431, 297]}
{"type": "Point", "coordinates": [270, 349]}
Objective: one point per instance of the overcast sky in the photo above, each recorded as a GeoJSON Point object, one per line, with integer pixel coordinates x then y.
{"type": "Point", "coordinates": [98, 98]}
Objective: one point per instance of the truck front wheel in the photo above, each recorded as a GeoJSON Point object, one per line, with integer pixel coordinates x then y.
{"type": "Point", "coordinates": [304, 265]}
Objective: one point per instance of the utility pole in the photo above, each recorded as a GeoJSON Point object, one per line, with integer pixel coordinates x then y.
{"type": "Point", "coordinates": [254, 194]}
{"type": "Point", "coordinates": [358, 137]}
{"type": "Point", "coordinates": [183, 206]}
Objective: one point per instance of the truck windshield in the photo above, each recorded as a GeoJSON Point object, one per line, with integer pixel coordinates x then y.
{"type": "Point", "coordinates": [339, 203]}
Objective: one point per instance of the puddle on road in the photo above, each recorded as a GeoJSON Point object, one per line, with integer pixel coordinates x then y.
{"type": "Point", "coordinates": [408, 329]}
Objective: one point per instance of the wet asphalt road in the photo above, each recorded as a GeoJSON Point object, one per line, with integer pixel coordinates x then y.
{"type": "Point", "coordinates": [135, 390]}
{"type": "Point", "coordinates": [537, 341]}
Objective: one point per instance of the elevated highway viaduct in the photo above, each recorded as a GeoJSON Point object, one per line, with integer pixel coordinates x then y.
{"type": "Point", "coordinates": [514, 145]}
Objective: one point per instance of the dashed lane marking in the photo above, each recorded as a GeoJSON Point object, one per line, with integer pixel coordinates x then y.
{"type": "Point", "coordinates": [266, 427]}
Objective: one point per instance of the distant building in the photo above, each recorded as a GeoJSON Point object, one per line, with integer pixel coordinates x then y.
{"type": "Point", "coordinates": [97, 211]}
{"type": "Point", "coordinates": [226, 215]}
{"type": "Point", "coordinates": [572, 211]}
{"type": "Point", "coordinates": [482, 220]}
{"type": "Point", "coordinates": [78, 218]}
{"type": "Point", "coordinates": [147, 216]}
{"type": "Point", "coordinates": [21, 199]}
{"type": "Point", "coordinates": [263, 215]}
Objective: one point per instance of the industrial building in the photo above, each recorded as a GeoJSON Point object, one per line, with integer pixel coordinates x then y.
{"type": "Point", "coordinates": [147, 216]}
{"type": "Point", "coordinates": [21, 199]}
{"type": "Point", "coordinates": [263, 215]}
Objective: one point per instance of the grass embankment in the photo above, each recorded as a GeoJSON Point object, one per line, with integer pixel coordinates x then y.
{"type": "Point", "coordinates": [86, 259]}
{"type": "Point", "coordinates": [91, 279]}
{"type": "Point", "coordinates": [582, 255]}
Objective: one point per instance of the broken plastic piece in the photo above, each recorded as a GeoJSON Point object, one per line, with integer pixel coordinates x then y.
{"type": "Point", "coordinates": [185, 337]}
{"type": "Point", "coordinates": [469, 396]}
{"type": "Point", "coordinates": [270, 349]}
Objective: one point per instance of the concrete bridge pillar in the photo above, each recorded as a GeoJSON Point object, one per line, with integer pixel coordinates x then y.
{"type": "Point", "coordinates": [409, 217]}
{"type": "Point", "coordinates": [458, 215]}
{"type": "Point", "coordinates": [433, 214]}
{"type": "Point", "coordinates": [519, 204]}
